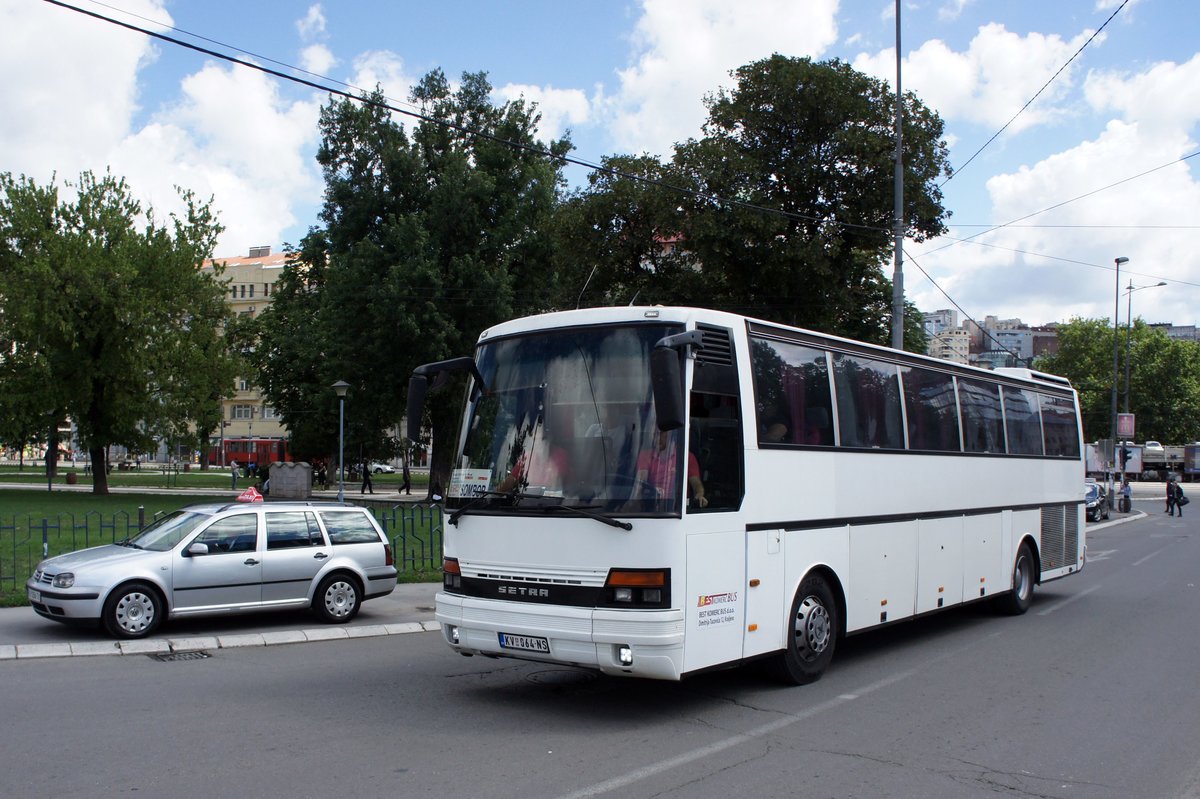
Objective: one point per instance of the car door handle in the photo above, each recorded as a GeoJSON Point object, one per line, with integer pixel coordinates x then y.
{"type": "Point", "coordinates": [320, 556]}
{"type": "Point", "coordinates": [250, 562]}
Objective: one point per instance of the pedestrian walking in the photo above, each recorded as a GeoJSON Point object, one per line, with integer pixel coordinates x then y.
{"type": "Point", "coordinates": [233, 474]}
{"type": "Point", "coordinates": [406, 486]}
{"type": "Point", "coordinates": [1180, 499]}
{"type": "Point", "coordinates": [367, 488]}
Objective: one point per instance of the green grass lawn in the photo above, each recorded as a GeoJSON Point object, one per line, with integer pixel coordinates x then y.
{"type": "Point", "coordinates": [72, 520]}
{"type": "Point", "coordinates": [195, 478]}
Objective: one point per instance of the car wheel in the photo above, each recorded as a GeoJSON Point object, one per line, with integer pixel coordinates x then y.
{"type": "Point", "coordinates": [337, 599]}
{"type": "Point", "coordinates": [1018, 600]}
{"type": "Point", "coordinates": [133, 610]}
{"type": "Point", "coordinates": [812, 635]}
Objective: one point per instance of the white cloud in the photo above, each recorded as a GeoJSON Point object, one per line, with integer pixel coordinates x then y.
{"type": "Point", "coordinates": [232, 136]}
{"type": "Point", "coordinates": [317, 59]}
{"type": "Point", "coordinates": [385, 69]}
{"type": "Point", "coordinates": [953, 9]}
{"type": "Point", "coordinates": [66, 105]}
{"type": "Point", "coordinates": [312, 25]}
{"type": "Point", "coordinates": [560, 108]}
{"type": "Point", "coordinates": [685, 49]}
{"type": "Point", "coordinates": [999, 72]}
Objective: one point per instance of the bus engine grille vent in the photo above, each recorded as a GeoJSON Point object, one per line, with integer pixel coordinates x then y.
{"type": "Point", "coordinates": [1060, 536]}
{"type": "Point", "coordinates": [715, 346]}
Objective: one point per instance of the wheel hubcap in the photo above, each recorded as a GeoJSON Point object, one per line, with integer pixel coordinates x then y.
{"type": "Point", "coordinates": [812, 628]}
{"type": "Point", "coordinates": [1022, 578]}
{"type": "Point", "coordinates": [339, 599]}
{"type": "Point", "coordinates": [135, 612]}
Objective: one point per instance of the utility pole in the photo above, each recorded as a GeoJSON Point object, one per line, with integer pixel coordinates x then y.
{"type": "Point", "coordinates": [898, 213]}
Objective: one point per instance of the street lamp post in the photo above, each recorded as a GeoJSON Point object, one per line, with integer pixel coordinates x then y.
{"type": "Point", "coordinates": [341, 387]}
{"type": "Point", "coordinates": [1116, 369]}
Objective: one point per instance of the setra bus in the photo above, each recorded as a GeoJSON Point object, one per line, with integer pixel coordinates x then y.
{"type": "Point", "coordinates": [659, 491]}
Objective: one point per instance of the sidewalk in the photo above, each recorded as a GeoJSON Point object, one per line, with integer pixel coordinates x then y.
{"type": "Point", "coordinates": [408, 609]}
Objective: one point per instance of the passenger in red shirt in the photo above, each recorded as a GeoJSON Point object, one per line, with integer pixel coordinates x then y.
{"type": "Point", "coordinates": [656, 467]}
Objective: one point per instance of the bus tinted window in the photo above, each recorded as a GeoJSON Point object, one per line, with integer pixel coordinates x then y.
{"type": "Point", "coordinates": [932, 413]}
{"type": "Point", "coordinates": [868, 398]}
{"type": "Point", "coordinates": [791, 391]}
{"type": "Point", "coordinates": [1059, 426]}
{"type": "Point", "coordinates": [982, 420]}
{"type": "Point", "coordinates": [1022, 420]}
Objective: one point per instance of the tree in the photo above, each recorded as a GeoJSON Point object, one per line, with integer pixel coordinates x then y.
{"type": "Point", "coordinates": [112, 326]}
{"type": "Point", "coordinates": [1164, 378]}
{"type": "Point", "coordinates": [429, 235]}
{"type": "Point", "coordinates": [812, 144]}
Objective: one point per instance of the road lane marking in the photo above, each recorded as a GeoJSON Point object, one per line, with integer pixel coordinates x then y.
{"type": "Point", "coordinates": [683, 759]}
{"type": "Point", "coordinates": [1068, 601]}
{"type": "Point", "coordinates": [1140, 561]}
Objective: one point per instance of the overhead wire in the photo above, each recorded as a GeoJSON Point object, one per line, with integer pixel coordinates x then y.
{"type": "Point", "coordinates": [1035, 96]}
{"type": "Point", "coordinates": [699, 195]}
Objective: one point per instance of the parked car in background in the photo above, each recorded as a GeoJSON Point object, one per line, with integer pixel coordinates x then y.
{"type": "Point", "coordinates": [378, 468]}
{"type": "Point", "coordinates": [221, 558]}
{"type": "Point", "coordinates": [1096, 499]}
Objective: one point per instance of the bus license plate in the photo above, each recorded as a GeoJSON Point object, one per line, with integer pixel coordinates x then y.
{"type": "Point", "coordinates": [34, 595]}
{"type": "Point", "coordinates": [527, 643]}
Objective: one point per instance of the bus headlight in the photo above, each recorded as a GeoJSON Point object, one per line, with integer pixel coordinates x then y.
{"type": "Point", "coordinates": [637, 588]}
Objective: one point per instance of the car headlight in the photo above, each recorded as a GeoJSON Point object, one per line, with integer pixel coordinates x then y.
{"type": "Point", "coordinates": [64, 580]}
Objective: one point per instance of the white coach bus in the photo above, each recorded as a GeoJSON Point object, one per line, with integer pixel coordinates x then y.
{"type": "Point", "coordinates": [656, 492]}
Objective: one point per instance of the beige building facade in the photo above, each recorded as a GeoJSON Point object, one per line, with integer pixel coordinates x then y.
{"type": "Point", "coordinates": [250, 432]}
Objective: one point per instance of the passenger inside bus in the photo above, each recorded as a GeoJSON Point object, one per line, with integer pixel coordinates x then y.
{"type": "Point", "coordinates": [656, 468]}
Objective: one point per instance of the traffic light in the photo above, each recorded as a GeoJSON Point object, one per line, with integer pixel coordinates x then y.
{"type": "Point", "coordinates": [1124, 457]}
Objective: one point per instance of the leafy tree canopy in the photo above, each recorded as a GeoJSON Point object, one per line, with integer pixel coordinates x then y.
{"type": "Point", "coordinates": [1164, 384]}
{"type": "Point", "coordinates": [430, 234]}
{"type": "Point", "coordinates": [107, 317]}
{"type": "Point", "coordinates": [810, 141]}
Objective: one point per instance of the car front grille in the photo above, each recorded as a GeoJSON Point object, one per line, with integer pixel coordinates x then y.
{"type": "Point", "coordinates": [45, 578]}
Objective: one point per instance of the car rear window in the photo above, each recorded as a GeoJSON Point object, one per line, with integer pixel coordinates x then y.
{"type": "Point", "coordinates": [349, 527]}
{"type": "Point", "coordinates": [291, 529]}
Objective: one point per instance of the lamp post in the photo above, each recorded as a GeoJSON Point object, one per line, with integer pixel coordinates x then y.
{"type": "Point", "coordinates": [1116, 370]}
{"type": "Point", "coordinates": [1128, 327]}
{"type": "Point", "coordinates": [341, 387]}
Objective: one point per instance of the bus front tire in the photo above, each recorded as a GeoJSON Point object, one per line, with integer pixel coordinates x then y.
{"type": "Point", "coordinates": [812, 635]}
{"type": "Point", "coordinates": [1018, 600]}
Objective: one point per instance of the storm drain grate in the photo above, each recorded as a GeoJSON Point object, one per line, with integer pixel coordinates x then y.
{"type": "Point", "coordinates": [170, 657]}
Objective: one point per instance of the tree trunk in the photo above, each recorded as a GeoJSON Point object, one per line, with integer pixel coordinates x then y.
{"type": "Point", "coordinates": [99, 470]}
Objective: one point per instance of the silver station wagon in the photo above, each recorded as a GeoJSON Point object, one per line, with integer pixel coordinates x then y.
{"type": "Point", "coordinates": [219, 559]}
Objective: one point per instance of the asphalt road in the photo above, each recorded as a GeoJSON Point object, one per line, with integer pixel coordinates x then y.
{"type": "Point", "coordinates": [1090, 694]}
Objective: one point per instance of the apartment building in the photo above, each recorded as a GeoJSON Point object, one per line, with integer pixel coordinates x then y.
{"type": "Point", "coordinates": [250, 429]}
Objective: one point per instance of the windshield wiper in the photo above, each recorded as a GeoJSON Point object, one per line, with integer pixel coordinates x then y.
{"type": "Point", "coordinates": [125, 542]}
{"type": "Point", "coordinates": [477, 501]}
{"type": "Point", "coordinates": [585, 510]}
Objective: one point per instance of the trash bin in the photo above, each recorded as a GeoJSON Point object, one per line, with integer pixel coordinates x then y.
{"type": "Point", "coordinates": [72, 478]}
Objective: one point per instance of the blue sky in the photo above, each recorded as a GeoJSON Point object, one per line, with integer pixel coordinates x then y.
{"type": "Point", "coordinates": [629, 76]}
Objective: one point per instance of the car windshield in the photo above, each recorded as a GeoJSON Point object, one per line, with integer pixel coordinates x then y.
{"type": "Point", "coordinates": [568, 419]}
{"type": "Point", "coordinates": [166, 532]}
{"type": "Point", "coordinates": [1093, 491]}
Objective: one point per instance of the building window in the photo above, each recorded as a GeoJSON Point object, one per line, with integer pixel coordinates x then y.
{"type": "Point", "coordinates": [266, 289]}
{"type": "Point", "coordinates": [243, 384]}
{"type": "Point", "coordinates": [243, 411]}
{"type": "Point", "coordinates": [251, 291]}
{"type": "Point", "coordinates": [233, 292]}
{"type": "Point", "coordinates": [269, 412]}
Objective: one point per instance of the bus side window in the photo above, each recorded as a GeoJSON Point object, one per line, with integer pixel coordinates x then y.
{"type": "Point", "coordinates": [716, 441]}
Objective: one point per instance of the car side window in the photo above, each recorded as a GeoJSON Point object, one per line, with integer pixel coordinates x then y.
{"type": "Point", "coordinates": [349, 527]}
{"type": "Point", "coordinates": [237, 533]}
{"type": "Point", "coordinates": [292, 529]}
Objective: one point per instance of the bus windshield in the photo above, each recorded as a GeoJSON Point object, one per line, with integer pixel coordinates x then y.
{"type": "Point", "coordinates": [568, 419]}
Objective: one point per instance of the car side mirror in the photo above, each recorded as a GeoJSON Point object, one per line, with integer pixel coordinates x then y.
{"type": "Point", "coordinates": [198, 549]}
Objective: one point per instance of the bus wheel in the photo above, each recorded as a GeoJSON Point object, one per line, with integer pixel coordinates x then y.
{"type": "Point", "coordinates": [1017, 601]}
{"type": "Point", "coordinates": [813, 633]}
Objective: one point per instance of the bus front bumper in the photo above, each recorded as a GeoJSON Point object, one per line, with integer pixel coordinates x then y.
{"type": "Point", "coordinates": [632, 643]}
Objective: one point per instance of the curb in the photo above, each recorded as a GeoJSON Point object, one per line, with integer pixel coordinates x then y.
{"type": "Point", "coordinates": [163, 646]}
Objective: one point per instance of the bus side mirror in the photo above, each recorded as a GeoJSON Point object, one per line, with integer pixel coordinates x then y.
{"type": "Point", "coordinates": [438, 372]}
{"type": "Point", "coordinates": [666, 380]}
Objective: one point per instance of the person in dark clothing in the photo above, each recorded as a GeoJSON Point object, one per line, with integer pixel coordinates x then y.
{"type": "Point", "coordinates": [367, 488]}
{"type": "Point", "coordinates": [406, 486]}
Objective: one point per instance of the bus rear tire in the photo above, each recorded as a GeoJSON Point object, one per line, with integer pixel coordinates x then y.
{"type": "Point", "coordinates": [812, 635]}
{"type": "Point", "coordinates": [1018, 600]}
